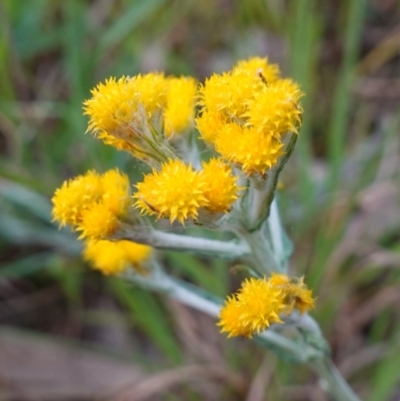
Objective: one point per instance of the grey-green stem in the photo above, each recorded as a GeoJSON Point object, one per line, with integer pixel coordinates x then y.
{"type": "Point", "coordinates": [332, 381]}
{"type": "Point", "coordinates": [233, 249]}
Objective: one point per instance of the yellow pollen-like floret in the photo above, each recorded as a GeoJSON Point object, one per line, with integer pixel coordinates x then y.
{"type": "Point", "coordinates": [210, 124]}
{"type": "Point", "coordinates": [152, 89]}
{"type": "Point", "coordinates": [276, 109]}
{"type": "Point", "coordinates": [220, 185]}
{"type": "Point", "coordinates": [113, 105]}
{"type": "Point", "coordinates": [113, 257]}
{"type": "Point", "coordinates": [75, 196]}
{"type": "Point", "coordinates": [257, 306]}
{"type": "Point", "coordinates": [260, 302]}
{"type": "Point", "coordinates": [257, 65]}
{"type": "Point", "coordinates": [229, 319]}
{"type": "Point", "coordinates": [180, 102]}
{"type": "Point", "coordinates": [175, 192]}
{"type": "Point", "coordinates": [116, 191]}
{"type": "Point", "coordinates": [93, 203]}
{"type": "Point", "coordinates": [119, 109]}
{"type": "Point", "coordinates": [297, 295]}
{"type": "Point", "coordinates": [97, 222]}
{"type": "Point", "coordinates": [228, 93]}
{"type": "Point", "coordinates": [254, 151]}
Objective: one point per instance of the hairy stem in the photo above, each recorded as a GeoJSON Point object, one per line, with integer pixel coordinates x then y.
{"type": "Point", "coordinates": [233, 249]}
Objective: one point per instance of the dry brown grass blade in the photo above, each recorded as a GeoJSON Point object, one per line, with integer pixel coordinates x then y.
{"type": "Point", "coordinates": [38, 368]}
{"type": "Point", "coordinates": [159, 383]}
{"type": "Point", "coordinates": [386, 49]}
{"type": "Point", "coordinates": [198, 333]}
{"type": "Point", "coordinates": [261, 380]}
{"type": "Point", "coordinates": [361, 359]}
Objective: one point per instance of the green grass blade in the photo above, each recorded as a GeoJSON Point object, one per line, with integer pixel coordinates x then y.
{"type": "Point", "coordinates": [147, 313]}
{"type": "Point", "coordinates": [342, 96]}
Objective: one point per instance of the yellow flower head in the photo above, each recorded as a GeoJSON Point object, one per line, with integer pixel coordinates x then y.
{"type": "Point", "coordinates": [113, 105]}
{"type": "Point", "coordinates": [295, 291]}
{"type": "Point", "coordinates": [114, 257]}
{"type": "Point", "coordinates": [253, 151]}
{"type": "Point", "coordinates": [230, 92]}
{"type": "Point", "coordinates": [276, 109]}
{"type": "Point", "coordinates": [209, 124]}
{"type": "Point", "coordinates": [152, 89]}
{"type": "Point", "coordinates": [229, 319]}
{"type": "Point", "coordinates": [116, 191]}
{"type": "Point", "coordinates": [123, 112]}
{"type": "Point", "coordinates": [257, 306]}
{"type": "Point", "coordinates": [98, 221]}
{"type": "Point", "coordinates": [260, 302]}
{"type": "Point", "coordinates": [175, 192]}
{"type": "Point", "coordinates": [227, 93]}
{"type": "Point", "coordinates": [75, 196]}
{"type": "Point", "coordinates": [220, 186]}
{"type": "Point", "coordinates": [92, 203]}
{"type": "Point", "coordinates": [180, 102]}
{"type": "Point", "coordinates": [258, 65]}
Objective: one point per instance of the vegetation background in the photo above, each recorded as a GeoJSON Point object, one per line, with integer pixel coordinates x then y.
{"type": "Point", "coordinates": [66, 332]}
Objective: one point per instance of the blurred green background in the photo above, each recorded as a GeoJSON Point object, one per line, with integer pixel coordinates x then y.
{"type": "Point", "coordinates": [68, 333]}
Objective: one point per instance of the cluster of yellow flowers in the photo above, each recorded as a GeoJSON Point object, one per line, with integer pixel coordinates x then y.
{"type": "Point", "coordinates": [93, 204]}
{"type": "Point", "coordinates": [136, 113]}
{"type": "Point", "coordinates": [246, 113]}
{"type": "Point", "coordinates": [114, 257]}
{"type": "Point", "coordinates": [260, 303]}
{"type": "Point", "coordinates": [244, 116]}
{"type": "Point", "coordinates": [179, 192]}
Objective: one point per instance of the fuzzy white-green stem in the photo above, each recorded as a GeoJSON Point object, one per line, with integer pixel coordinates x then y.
{"type": "Point", "coordinates": [262, 258]}
{"type": "Point", "coordinates": [332, 381]}
{"type": "Point", "coordinates": [200, 246]}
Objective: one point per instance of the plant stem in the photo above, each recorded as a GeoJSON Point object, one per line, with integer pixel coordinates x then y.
{"type": "Point", "coordinates": [332, 381]}
{"type": "Point", "coordinates": [233, 249]}
{"type": "Point", "coordinates": [263, 259]}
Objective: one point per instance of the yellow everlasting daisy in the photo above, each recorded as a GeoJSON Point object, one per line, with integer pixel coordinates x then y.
{"type": "Point", "coordinates": [256, 306]}
{"type": "Point", "coordinates": [229, 319]}
{"type": "Point", "coordinates": [92, 203]}
{"type": "Point", "coordinates": [256, 66]}
{"type": "Point", "coordinates": [260, 302]}
{"type": "Point", "coordinates": [220, 186]}
{"type": "Point", "coordinates": [113, 106]}
{"type": "Point", "coordinates": [98, 221]}
{"type": "Point", "coordinates": [230, 92]}
{"type": "Point", "coordinates": [75, 196]}
{"type": "Point", "coordinates": [227, 93]}
{"type": "Point", "coordinates": [297, 295]}
{"type": "Point", "coordinates": [152, 90]}
{"type": "Point", "coordinates": [276, 109]}
{"type": "Point", "coordinates": [114, 257]}
{"type": "Point", "coordinates": [209, 124]}
{"type": "Point", "coordinates": [253, 151]}
{"type": "Point", "coordinates": [116, 191]}
{"type": "Point", "coordinates": [180, 102]}
{"type": "Point", "coordinates": [116, 105]}
{"type": "Point", "coordinates": [175, 192]}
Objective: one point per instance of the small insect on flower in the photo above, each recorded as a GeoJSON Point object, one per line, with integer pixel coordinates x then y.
{"type": "Point", "coordinates": [260, 74]}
